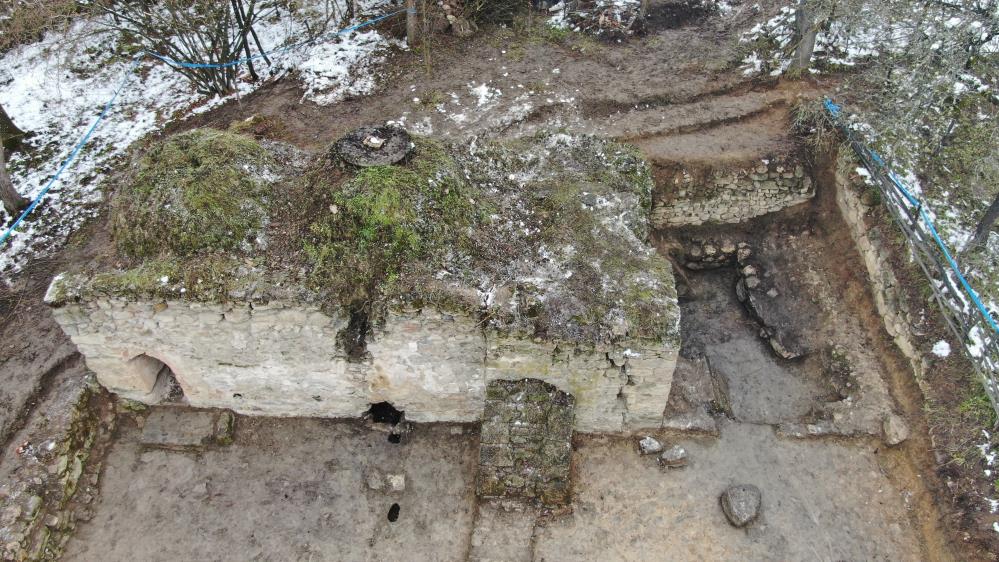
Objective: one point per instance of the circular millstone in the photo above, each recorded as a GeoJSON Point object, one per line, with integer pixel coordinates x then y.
{"type": "Point", "coordinates": [374, 146]}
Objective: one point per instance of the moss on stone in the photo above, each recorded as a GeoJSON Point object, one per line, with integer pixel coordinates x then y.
{"type": "Point", "coordinates": [203, 190]}
{"type": "Point", "coordinates": [541, 237]}
{"type": "Point", "coordinates": [386, 217]}
{"type": "Point", "coordinates": [209, 278]}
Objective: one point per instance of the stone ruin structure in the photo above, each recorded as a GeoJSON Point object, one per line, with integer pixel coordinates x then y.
{"type": "Point", "coordinates": [730, 194]}
{"type": "Point", "coordinates": [249, 276]}
{"type": "Point", "coordinates": [526, 442]}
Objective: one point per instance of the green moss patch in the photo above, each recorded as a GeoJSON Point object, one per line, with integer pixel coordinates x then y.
{"type": "Point", "coordinates": [386, 217]}
{"type": "Point", "coordinates": [199, 191]}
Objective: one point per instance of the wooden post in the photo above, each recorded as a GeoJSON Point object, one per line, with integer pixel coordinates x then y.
{"type": "Point", "coordinates": [412, 24]}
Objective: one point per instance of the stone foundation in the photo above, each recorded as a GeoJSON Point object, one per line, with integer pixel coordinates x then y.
{"type": "Point", "coordinates": [693, 197]}
{"type": "Point", "coordinates": [284, 360]}
{"type": "Point", "coordinates": [869, 235]}
{"type": "Point", "coordinates": [526, 444]}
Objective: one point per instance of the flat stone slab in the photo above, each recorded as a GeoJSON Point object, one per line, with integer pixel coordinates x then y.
{"type": "Point", "coordinates": [182, 428]}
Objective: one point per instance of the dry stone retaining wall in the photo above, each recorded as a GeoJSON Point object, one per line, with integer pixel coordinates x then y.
{"type": "Point", "coordinates": [729, 196]}
{"type": "Point", "coordinates": [284, 360]}
{"type": "Point", "coordinates": [889, 297]}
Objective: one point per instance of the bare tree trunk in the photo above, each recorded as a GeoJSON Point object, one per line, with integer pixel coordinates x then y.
{"type": "Point", "coordinates": [643, 9]}
{"type": "Point", "coordinates": [412, 23]}
{"type": "Point", "coordinates": [13, 202]}
{"type": "Point", "coordinates": [10, 135]}
{"type": "Point", "coordinates": [238, 12]}
{"type": "Point", "coordinates": [981, 236]}
{"type": "Point", "coordinates": [805, 33]}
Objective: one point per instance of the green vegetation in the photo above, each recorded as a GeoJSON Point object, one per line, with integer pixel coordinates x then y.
{"type": "Point", "coordinates": [539, 237]}
{"type": "Point", "coordinates": [979, 408]}
{"type": "Point", "coordinates": [560, 239]}
{"type": "Point", "coordinates": [386, 217]}
{"type": "Point", "coordinates": [205, 278]}
{"type": "Point", "coordinates": [199, 191]}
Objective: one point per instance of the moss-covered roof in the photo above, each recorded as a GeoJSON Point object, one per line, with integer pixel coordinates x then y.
{"type": "Point", "coordinates": [539, 237]}
{"type": "Point", "coordinates": [197, 191]}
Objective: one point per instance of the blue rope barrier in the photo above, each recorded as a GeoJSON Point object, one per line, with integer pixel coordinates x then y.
{"type": "Point", "coordinates": [836, 111]}
{"type": "Point", "coordinates": [128, 74]}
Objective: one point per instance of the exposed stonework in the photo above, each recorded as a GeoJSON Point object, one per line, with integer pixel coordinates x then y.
{"type": "Point", "coordinates": [889, 297]}
{"type": "Point", "coordinates": [414, 284]}
{"type": "Point", "coordinates": [526, 443]}
{"type": "Point", "coordinates": [692, 197]}
{"type": "Point", "coordinates": [49, 477]}
{"type": "Point", "coordinates": [283, 359]}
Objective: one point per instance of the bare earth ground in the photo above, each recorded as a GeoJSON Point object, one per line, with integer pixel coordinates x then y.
{"type": "Point", "coordinates": [307, 500]}
{"type": "Point", "coordinates": [295, 489]}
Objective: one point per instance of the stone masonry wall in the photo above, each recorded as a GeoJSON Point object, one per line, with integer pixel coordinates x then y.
{"type": "Point", "coordinates": [283, 360]}
{"type": "Point", "coordinates": [687, 197]}
{"type": "Point", "coordinates": [526, 443]}
{"type": "Point", "coordinates": [889, 298]}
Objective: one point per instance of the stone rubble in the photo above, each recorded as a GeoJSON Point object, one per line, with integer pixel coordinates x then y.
{"type": "Point", "coordinates": [755, 293]}
{"type": "Point", "coordinates": [649, 445]}
{"type": "Point", "coordinates": [674, 457]}
{"type": "Point", "coordinates": [742, 504]}
{"type": "Point", "coordinates": [526, 443]}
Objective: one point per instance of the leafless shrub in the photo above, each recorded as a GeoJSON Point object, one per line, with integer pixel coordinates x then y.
{"type": "Point", "coordinates": [214, 32]}
{"type": "Point", "coordinates": [25, 21]}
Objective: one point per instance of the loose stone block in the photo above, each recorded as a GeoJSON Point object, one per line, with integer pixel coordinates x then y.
{"type": "Point", "coordinates": [741, 504]}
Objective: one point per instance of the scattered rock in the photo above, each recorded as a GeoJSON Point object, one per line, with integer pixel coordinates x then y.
{"type": "Point", "coordinates": [649, 445]}
{"type": "Point", "coordinates": [775, 325]}
{"type": "Point", "coordinates": [396, 482]}
{"type": "Point", "coordinates": [674, 457]}
{"type": "Point", "coordinates": [741, 504]}
{"type": "Point", "coordinates": [375, 480]}
{"type": "Point", "coordinates": [895, 429]}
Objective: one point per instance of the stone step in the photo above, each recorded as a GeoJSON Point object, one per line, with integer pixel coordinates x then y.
{"type": "Point", "coordinates": [185, 428]}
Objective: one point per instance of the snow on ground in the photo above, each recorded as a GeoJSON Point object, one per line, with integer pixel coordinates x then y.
{"type": "Point", "coordinates": [941, 349]}
{"type": "Point", "coordinates": [56, 88]}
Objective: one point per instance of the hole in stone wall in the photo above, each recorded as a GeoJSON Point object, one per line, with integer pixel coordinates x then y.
{"type": "Point", "coordinates": [384, 412]}
{"type": "Point", "coordinates": [167, 389]}
{"type": "Point", "coordinates": [156, 378]}
{"type": "Point", "coordinates": [393, 514]}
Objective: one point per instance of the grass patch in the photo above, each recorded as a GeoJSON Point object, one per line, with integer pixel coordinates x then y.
{"type": "Point", "coordinates": [979, 408]}
{"type": "Point", "coordinates": [199, 191]}
{"type": "Point", "coordinates": [386, 217]}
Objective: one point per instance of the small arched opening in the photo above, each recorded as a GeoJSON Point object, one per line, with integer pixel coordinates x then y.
{"type": "Point", "coordinates": [158, 379]}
